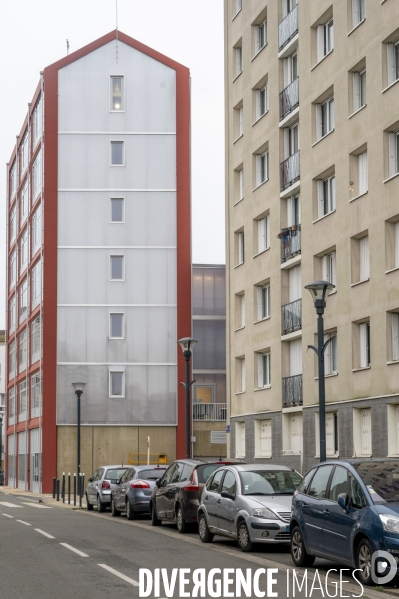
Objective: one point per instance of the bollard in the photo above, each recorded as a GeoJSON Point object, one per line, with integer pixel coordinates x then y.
{"type": "Point", "coordinates": [69, 488]}
{"type": "Point", "coordinates": [80, 490]}
{"type": "Point", "coordinates": [74, 489]}
{"type": "Point", "coordinates": [54, 486]}
{"type": "Point", "coordinates": [58, 489]}
{"type": "Point", "coordinates": [63, 488]}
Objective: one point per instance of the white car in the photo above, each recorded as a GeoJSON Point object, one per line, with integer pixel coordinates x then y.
{"type": "Point", "coordinates": [100, 485]}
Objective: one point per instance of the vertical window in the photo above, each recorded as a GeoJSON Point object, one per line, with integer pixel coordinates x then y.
{"type": "Point", "coordinates": [263, 300]}
{"type": "Point", "coordinates": [24, 152]}
{"type": "Point", "coordinates": [241, 184]}
{"type": "Point", "coordinates": [264, 370]}
{"type": "Point", "coordinates": [37, 175]}
{"type": "Point", "coordinates": [241, 121]}
{"type": "Point", "coordinates": [263, 234]}
{"type": "Point", "coordinates": [13, 268]}
{"type": "Point", "coordinates": [263, 439]}
{"type": "Point", "coordinates": [36, 340]}
{"type": "Point", "coordinates": [117, 153]}
{"type": "Point", "coordinates": [330, 354]}
{"type": "Point", "coordinates": [260, 36]}
{"type": "Point", "coordinates": [24, 202]}
{"type": "Point", "coordinates": [329, 268]}
{"type": "Point", "coordinates": [13, 223]}
{"type": "Point", "coordinates": [23, 350]}
{"type": "Point", "coordinates": [238, 60]}
{"type": "Point", "coordinates": [364, 330]}
{"type": "Point", "coordinates": [324, 118]}
{"type": "Point", "coordinates": [358, 11]}
{"type": "Point", "coordinates": [241, 308]}
{"type": "Point", "coordinates": [365, 431]}
{"type": "Point", "coordinates": [11, 403]}
{"type": "Point", "coordinates": [116, 267]}
{"type": "Point", "coordinates": [393, 62]}
{"type": "Point", "coordinates": [117, 384]}
{"type": "Point", "coordinates": [13, 179]}
{"type": "Point", "coordinates": [294, 438]}
{"type": "Point", "coordinates": [13, 309]}
{"type": "Point", "coordinates": [36, 396]}
{"type": "Point", "coordinates": [362, 172]}
{"type": "Point", "coordinates": [117, 210]}
{"type": "Point", "coordinates": [237, 5]}
{"type": "Point", "coordinates": [36, 279]}
{"type": "Point", "coordinates": [116, 326]}
{"type": "Point", "coordinates": [393, 153]}
{"type": "Point", "coordinates": [240, 248]}
{"type": "Point", "coordinates": [262, 168]}
{"type": "Point", "coordinates": [325, 39]}
{"type": "Point", "coordinates": [359, 90]}
{"type": "Point", "coordinates": [262, 101]}
{"type": "Point", "coordinates": [117, 94]}
{"type": "Point", "coordinates": [240, 439]}
{"type": "Point", "coordinates": [326, 196]}
{"type": "Point", "coordinates": [24, 251]}
{"type": "Point", "coordinates": [331, 434]}
{"type": "Point", "coordinates": [37, 229]}
{"type": "Point", "coordinates": [12, 356]}
{"type": "Point", "coordinates": [395, 335]}
{"type": "Point", "coordinates": [23, 300]}
{"type": "Point", "coordinates": [396, 245]}
{"type": "Point", "coordinates": [37, 121]}
{"type": "Point", "coordinates": [364, 259]}
{"type": "Point", "coordinates": [240, 375]}
{"type": "Point", "coordinates": [23, 398]}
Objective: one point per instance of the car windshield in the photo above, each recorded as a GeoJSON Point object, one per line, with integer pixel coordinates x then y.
{"type": "Point", "coordinates": [115, 473]}
{"type": "Point", "coordinates": [269, 482]}
{"type": "Point", "coordinates": [151, 474]}
{"type": "Point", "coordinates": [381, 480]}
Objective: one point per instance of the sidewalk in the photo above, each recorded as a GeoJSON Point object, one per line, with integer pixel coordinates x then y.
{"type": "Point", "coordinates": [43, 498]}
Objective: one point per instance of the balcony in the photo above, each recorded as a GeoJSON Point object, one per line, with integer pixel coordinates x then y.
{"type": "Point", "coordinates": [214, 412]}
{"type": "Point", "coordinates": [290, 242]}
{"type": "Point", "coordinates": [292, 391]}
{"type": "Point", "coordinates": [289, 171]}
{"type": "Point", "coordinates": [291, 317]}
{"type": "Point", "coordinates": [289, 98]}
{"type": "Point", "coordinates": [288, 27]}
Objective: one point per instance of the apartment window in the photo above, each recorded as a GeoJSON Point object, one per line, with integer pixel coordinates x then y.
{"type": "Point", "coordinates": [24, 251]}
{"type": "Point", "coordinates": [240, 247]}
{"type": "Point", "coordinates": [37, 229]}
{"type": "Point", "coordinates": [260, 36]}
{"type": "Point", "coordinates": [264, 370]}
{"type": "Point", "coordinates": [359, 90]}
{"type": "Point", "coordinates": [117, 384]}
{"type": "Point", "coordinates": [362, 168]}
{"type": "Point", "coordinates": [240, 375]}
{"type": "Point", "coordinates": [364, 260]}
{"type": "Point", "coordinates": [263, 301]}
{"type": "Point", "coordinates": [290, 66]}
{"type": "Point", "coordinates": [292, 433]}
{"type": "Point", "coordinates": [13, 312]}
{"type": "Point", "coordinates": [36, 281]}
{"type": "Point", "coordinates": [23, 399]}
{"type": "Point", "coordinates": [24, 202]}
{"type": "Point", "coordinates": [13, 223]}
{"type": "Point", "coordinates": [237, 5]}
{"type": "Point", "coordinates": [262, 168]}
{"type": "Point", "coordinates": [395, 335]}
{"type": "Point", "coordinates": [36, 395]}
{"type": "Point", "coordinates": [364, 341]}
{"type": "Point", "coordinates": [117, 210]}
{"type": "Point", "coordinates": [291, 140]}
{"type": "Point", "coordinates": [12, 356]}
{"type": "Point", "coordinates": [24, 152]}
{"type": "Point", "coordinates": [329, 268]}
{"type": "Point", "coordinates": [262, 101]}
{"type": "Point", "coordinates": [325, 39]}
{"type": "Point", "coordinates": [23, 350]}
{"type": "Point", "coordinates": [331, 434]}
{"type": "Point", "coordinates": [238, 121]}
{"type": "Point", "coordinates": [13, 268]}
{"type": "Point", "coordinates": [116, 326]}
{"type": "Point", "coordinates": [330, 354]}
{"type": "Point", "coordinates": [263, 438]}
{"type": "Point", "coordinates": [11, 403]}
{"type": "Point", "coordinates": [362, 432]}
{"type": "Point", "coordinates": [37, 175]}
{"type": "Point", "coordinates": [241, 184]}
{"type": "Point", "coordinates": [240, 311]}
{"type": "Point", "coordinates": [240, 439]}
{"type": "Point", "coordinates": [13, 179]}
{"type": "Point", "coordinates": [117, 270]}
{"type": "Point", "coordinates": [326, 195]}
{"type": "Point", "coordinates": [263, 226]}
{"type": "Point", "coordinates": [238, 60]}
{"type": "Point", "coordinates": [36, 340]}
{"type": "Point", "coordinates": [358, 11]}
{"type": "Point", "coordinates": [393, 153]}
{"type": "Point", "coordinates": [393, 62]}
{"type": "Point", "coordinates": [117, 94]}
{"type": "Point", "coordinates": [324, 117]}
{"type": "Point", "coordinates": [37, 121]}
{"type": "Point", "coordinates": [396, 244]}
{"type": "Point", "coordinates": [23, 299]}
{"type": "Point", "coordinates": [288, 6]}
{"type": "Point", "coordinates": [116, 153]}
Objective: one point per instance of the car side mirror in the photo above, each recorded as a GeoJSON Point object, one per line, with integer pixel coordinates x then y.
{"type": "Point", "coordinates": [90, 480]}
{"type": "Point", "coordinates": [227, 495]}
{"type": "Point", "coordinates": [343, 500]}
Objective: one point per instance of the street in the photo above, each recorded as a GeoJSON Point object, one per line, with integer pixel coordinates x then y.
{"type": "Point", "coordinates": [48, 551]}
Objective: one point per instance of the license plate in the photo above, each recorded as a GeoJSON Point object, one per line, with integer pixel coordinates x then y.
{"type": "Point", "coordinates": [287, 528]}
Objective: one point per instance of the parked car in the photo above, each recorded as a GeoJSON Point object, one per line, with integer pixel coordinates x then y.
{"type": "Point", "coordinates": [250, 503]}
{"type": "Point", "coordinates": [176, 496]}
{"type": "Point", "coordinates": [133, 491]}
{"type": "Point", "coordinates": [98, 490]}
{"type": "Point", "coordinates": [2, 477]}
{"type": "Point", "coordinates": [344, 511]}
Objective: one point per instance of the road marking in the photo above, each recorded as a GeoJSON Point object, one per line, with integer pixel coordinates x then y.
{"type": "Point", "coordinates": [41, 507]}
{"type": "Point", "coordinates": [75, 550]}
{"type": "Point", "coordinates": [22, 522]}
{"type": "Point", "coordinates": [120, 575]}
{"type": "Point", "coordinates": [10, 504]}
{"type": "Point", "coordinates": [44, 533]}
{"type": "Point", "coordinates": [8, 516]}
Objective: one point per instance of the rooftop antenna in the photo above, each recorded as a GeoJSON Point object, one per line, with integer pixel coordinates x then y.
{"type": "Point", "coordinates": [116, 11]}
{"type": "Point", "coordinates": [67, 43]}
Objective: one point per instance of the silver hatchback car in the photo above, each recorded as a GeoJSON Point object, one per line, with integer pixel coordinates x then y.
{"type": "Point", "coordinates": [98, 490]}
{"type": "Point", "coordinates": [248, 502]}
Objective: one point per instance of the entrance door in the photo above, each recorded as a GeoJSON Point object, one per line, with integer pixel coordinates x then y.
{"type": "Point", "coordinates": [36, 460]}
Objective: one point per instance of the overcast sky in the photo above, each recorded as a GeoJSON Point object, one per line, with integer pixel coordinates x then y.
{"type": "Point", "coordinates": [33, 35]}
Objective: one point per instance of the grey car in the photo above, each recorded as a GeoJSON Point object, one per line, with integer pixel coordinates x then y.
{"type": "Point", "coordinates": [133, 492]}
{"type": "Point", "coordinates": [98, 490]}
{"type": "Point", "coordinates": [250, 503]}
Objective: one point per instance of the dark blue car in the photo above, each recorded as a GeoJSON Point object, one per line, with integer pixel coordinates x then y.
{"type": "Point", "coordinates": [345, 511]}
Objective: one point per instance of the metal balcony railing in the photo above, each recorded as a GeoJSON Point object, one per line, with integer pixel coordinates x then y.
{"type": "Point", "coordinates": [289, 98]}
{"type": "Point", "coordinates": [292, 391]}
{"type": "Point", "coordinates": [288, 27]}
{"type": "Point", "coordinates": [290, 242]}
{"type": "Point", "coordinates": [209, 411]}
{"type": "Point", "coordinates": [291, 317]}
{"type": "Point", "coordinates": [289, 171]}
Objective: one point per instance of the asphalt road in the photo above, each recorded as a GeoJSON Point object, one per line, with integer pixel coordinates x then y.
{"type": "Point", "coordinates": [61, 553]}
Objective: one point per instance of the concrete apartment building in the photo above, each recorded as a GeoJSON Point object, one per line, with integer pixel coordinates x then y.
{"type": "Point", "coordinates": [99, 250]}
{"type": "Point", "coordinates": [312, 178]}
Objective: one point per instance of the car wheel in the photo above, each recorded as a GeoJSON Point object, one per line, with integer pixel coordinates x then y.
{"type": "Point", "coordinates": [130, 514]}
{"type": "Point", "coordinates": [243, 538]}
{"type": "Point", "coordinates": [114, 511]}
{"type": "Point", "coordinates": [204, 533]}
{"type": "Point", "coordinates": [182, 525]}
{"type": "Point", "coordinates": [298, 552]}
{"type": "Point", "coordinates": [100, 505]}
{"type": "Point", "coordinates": [363, 562]}
{"type": "Point", "coordinates": [154, 518]}
{"type": "Point", "coordinates": [89, 506]}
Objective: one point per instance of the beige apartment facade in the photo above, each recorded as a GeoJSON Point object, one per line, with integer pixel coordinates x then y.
{"type": "Point", "coordinates": [312, 181]}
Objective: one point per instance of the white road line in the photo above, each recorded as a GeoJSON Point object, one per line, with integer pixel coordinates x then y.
{"type": "Point", "coordinates": [10, 504]}
{"type": "Point", "coordinates": [8, 516]}
{"type": "Point", "coordinates": [120, 575]}
{"type": "Point", "coordinates": [22, 522]}
{"type": "Point", "coordinates": [75, 550]}
{"type": "Point", "coordinates": [44, 533]}
{"type": "Point", "coordinates": [41, 507]}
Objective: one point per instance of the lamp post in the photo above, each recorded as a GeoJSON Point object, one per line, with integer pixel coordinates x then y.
{"type": "Point", "coordinates": [78, 388]}
{"type": "Point", "coordinates": [187, 344]}
{"type": "Point", "coordinates": [318, 290]}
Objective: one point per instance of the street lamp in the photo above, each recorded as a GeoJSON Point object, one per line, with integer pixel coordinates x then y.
{"type": "Point", "coordinates": [319, 291]}
{"type": "Point", "coordinates": [187, 344]}
{"type": "Point", "coordinates": [78, 388]}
